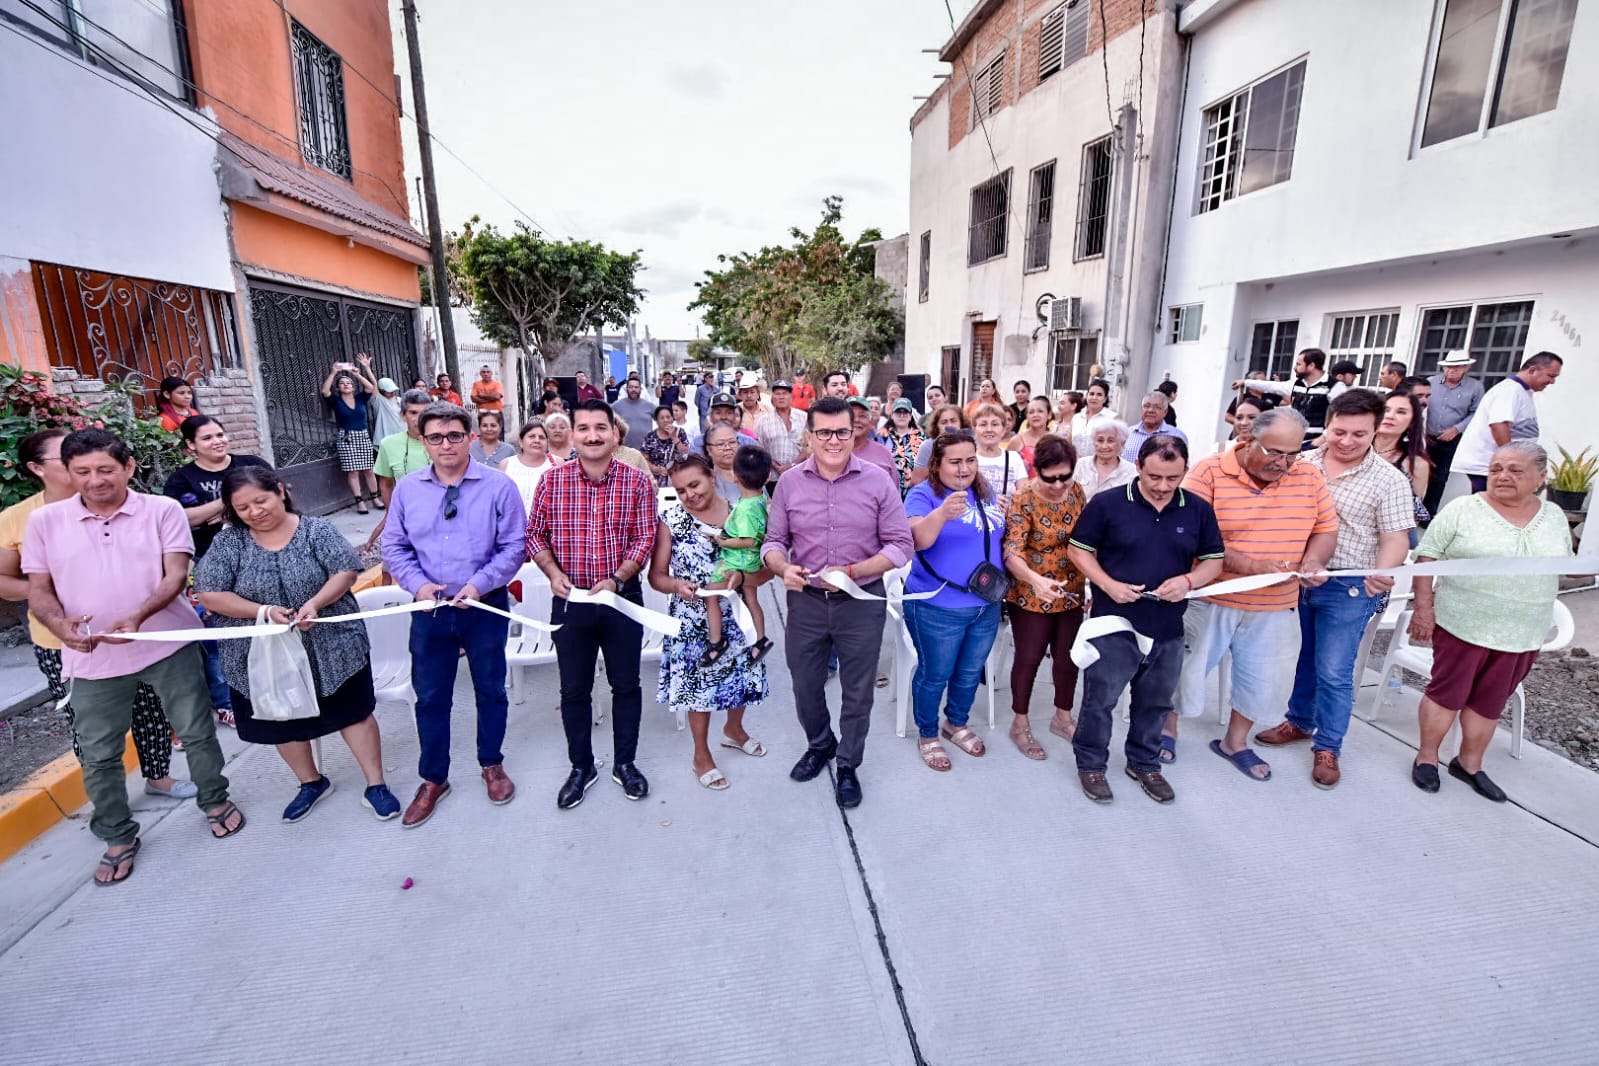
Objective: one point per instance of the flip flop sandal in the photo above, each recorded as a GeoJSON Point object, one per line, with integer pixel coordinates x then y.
{"type": "Point", "coordinates": [116, 862]}
{"type": "Point", "coordinates": [1245, 760]}
{"type": "Point", "coordinates": [221, 819]}
{"type": "Point", "coordinates": [964, 739]}
{"type": "Point", "coordinates": [934, 755]}
{"type": "Point", "coordinates": [713, 780]}
{"type": "Point", "coordinates": [762, 646]}
{"type": "Point", "coordinates": [1168, 748]}
{"type": "Point", "coordinates": [1028, 744]}
{"type": "Point", "coordinates": [750, 746]}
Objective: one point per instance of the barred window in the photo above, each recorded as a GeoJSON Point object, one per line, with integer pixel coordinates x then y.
{"type": "Point", "coordinates": [925, 272]}
{"type": "Point", "coordinates": [1494, 334]}
{"type": "Point", "coordinates": [319, 83]}
{"type": "Point", "coordinates": [1040, 216]}
{"type": "Point", "coordinates": [1365, 338]}
{"type": "Point", "coordinates": [990, 215]}
{"type": "Point", "coordinates": [1093, 200]}
{"type": "Point", "coordinates": [1249, 139]}
{"type": "Point", "coordinates": [1271, 350]}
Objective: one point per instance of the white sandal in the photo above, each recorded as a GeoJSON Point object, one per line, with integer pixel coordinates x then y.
{"type": "Point", "coordinates": [751, 746]}
{"type": "Point", "coordinates": [713, 780]}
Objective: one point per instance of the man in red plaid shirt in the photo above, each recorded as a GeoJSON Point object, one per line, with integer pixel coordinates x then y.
{"type": "Point", "coordinates": [592, 526]}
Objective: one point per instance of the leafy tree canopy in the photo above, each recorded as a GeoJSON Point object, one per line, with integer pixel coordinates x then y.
{"type": "Point", "coordinates": [814, 304]}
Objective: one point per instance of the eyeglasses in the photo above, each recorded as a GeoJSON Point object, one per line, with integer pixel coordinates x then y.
{"type": "Point", "coordinates": [457, 437]}
{"type": "Point", "coordinates": [725, 444]}
{"type": "Point", "coordinates": [832, 434]}
{"type": "Point", "coordinates": [451, 494]}
{"type": "Point", "coordinates": [1275, 456]}
{"type": "Point", "coordinates": [1054, 479]}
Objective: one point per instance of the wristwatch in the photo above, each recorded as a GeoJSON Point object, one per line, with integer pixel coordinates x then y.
{"type": "Point", "coordinates": [617, 578]}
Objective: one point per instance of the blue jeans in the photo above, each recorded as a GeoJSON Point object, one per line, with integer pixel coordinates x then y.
{"type": "Point", "coordinates": [221, 695]}
{"type": "Point", "coordinates": [1153, 678]}
{"type": "Point", "coordinates": [1332, 621]}
{"type": "Point", "coordinates": [952, 643]}
{"type": "Point", "coordinates": [437, 638]}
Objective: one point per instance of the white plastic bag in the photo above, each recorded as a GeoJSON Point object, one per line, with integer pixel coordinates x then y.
{"type": "Point", "coordinates": [281, 685]}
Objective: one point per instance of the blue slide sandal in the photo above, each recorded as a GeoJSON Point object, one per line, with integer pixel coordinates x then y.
{"type": "Point", "coordinates": [1245, 760]}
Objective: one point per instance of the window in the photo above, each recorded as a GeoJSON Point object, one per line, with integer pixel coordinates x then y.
{"type": "Point", "coordinates": [1271, 350]}
{"type": "Point", "coordinates": [986, 237]}
{"type": "Point", "coordinates": [1249, 139]}
{"type": "Point", "coordinates": [982, 353]}
{"type": "Point", "coordinates": [319, 82]}
{"type": "Point", "coordinates": [1093, 200]}
{"type": "Point", "coordinates": [1062, 38]}
{"type": "Point", "coordinates": [1071, 363]}
{"type": "Point", "coordinates": [1496, 61]}
{"type": "Point", "coordinates": [113, 34]}
{"type": "Point", "coordinates": [988, 90]}
{"type": "Point", "coordinates": [1364, 337]}
{"type": "Point", "coordinates": [1494, 334]}
{"type": "Point", "coordinates": [1184, 326]}
{"type": "Point", "coordinates": [1040, 216]}
{"type": "Point", "coordinates": [924, 274]}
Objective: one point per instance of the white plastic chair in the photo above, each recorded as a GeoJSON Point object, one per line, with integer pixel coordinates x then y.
{"type": "Point", "coordinates": [390, 638]}
{"type": "Point", "coordinates": [1403, 655]}
{"type": "Point", "coordinates": [527, 646]}
{"type": "Point", "coordinates": [905, 658]}
{"type": "Point", "coordinates": [1398, 601]}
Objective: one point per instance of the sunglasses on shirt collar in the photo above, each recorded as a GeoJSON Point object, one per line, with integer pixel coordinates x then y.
{"type": "Point", "coordinates": [451, 494]}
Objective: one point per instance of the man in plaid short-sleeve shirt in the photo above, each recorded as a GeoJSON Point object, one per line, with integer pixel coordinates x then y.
{"type": "Point", "coordinates": [592, 526]}
{"type": "Point", "coordinates": [1376, 512]}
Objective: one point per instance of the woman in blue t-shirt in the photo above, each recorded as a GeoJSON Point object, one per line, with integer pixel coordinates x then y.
{"type": "Point", "coordinates": [957, 524]}
{"type": "Point", "coordinates": [345, 397]}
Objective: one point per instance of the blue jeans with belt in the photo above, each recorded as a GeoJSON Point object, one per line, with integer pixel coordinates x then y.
{"type": "Point", "coordinates": [1332, 621]}
{"type": "Point", "coordinates": [437, 638]}
{"type": "Point", "coordinates": [952, 643]}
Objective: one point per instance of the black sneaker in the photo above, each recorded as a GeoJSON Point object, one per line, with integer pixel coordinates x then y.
{"type": "Point", "coordinates": [306, 798]}
{"type": "Point", "coordinates": [634, 785]}
{"type": "Point", "coordinates": [578, 782]}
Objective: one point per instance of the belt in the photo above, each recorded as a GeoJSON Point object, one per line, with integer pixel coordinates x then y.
{"type": "Point", "coordinates": [875, 587]}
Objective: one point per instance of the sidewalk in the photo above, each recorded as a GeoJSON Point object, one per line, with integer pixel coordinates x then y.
{"type": "Point", "coordinates": [991, 914]}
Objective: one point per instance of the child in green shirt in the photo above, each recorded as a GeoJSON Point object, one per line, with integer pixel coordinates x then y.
{"type": "Point", "coordinates": [740, 544]}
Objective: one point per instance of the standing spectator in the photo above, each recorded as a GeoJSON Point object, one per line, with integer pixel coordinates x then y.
{"type": "Point", "coordinates": [1168, 389]}
{"type": "Point", "coordinates": [782, 432]}
{"type": "Point", "coordinates": [399, 454]}
{"type": "Point", "coordinates": [1507, 413]}
{"type": "Point", "coordinates": [593, 527]}
{"type": "Point", "coordinates": [721, 450]}
{"type": "Point", "coordinates": [612, 389]}
{"type": "Point", "coordinates": [1399, 442]}
{"type": "Point", "coordinates": [551, 393]}
{"type": "Point", "coordinates": [1344, 374]}
{"type": "Point", "coordinates": [669, 389]}
{"type": "Point", "coordinates": [490, 447]}
{"type": "Point", "coordinates": [553, 404]}
{"type": "Point", "coordinates": [1242, 414]}
{"type": "Point", "coordinates": [1485, 631]}
{"type": "Point", "coordinates": [867, 449]}
{"type": "Point", "coordinates": [1261, 402]}
{"type": "Point", "coordinates": [935, 398]}
{"type": "Point", "coordinates": [1001, 468]}
{"type": "Point", "coordinates": [1153, 421]}
{"type": "Point", "coordinates": [1276, 515]}
{"type": "Point", "coordinates": [751, 409]}
{"type": "Point", "coordinates": [682, 563]}
{"type": "Point", "coordinates": [559, 428]}
{"type": "Point", "coordinates": [664, 445]}
{"type": "Point", "coordinates": [487, 394]}
{"type": "Point", "coordinates": [175, 402]}
{"type": "Point", "coordinates": [940, 420]}
{"type": "Point", "coordinates": [1066, 409]}
{"type": "Point", "coordinates": [39, 457]}
{"type": "Point", "coordinates": [956, 525]}
{"type": "Point", "coordinates": [1376, 513]}
{"type": "Point", "coordinates": [804, 391]}
{"type": "Point", "coordinates": [1046, 603]}
{"type": "Point", "coordinates": [586, 391]}
{"type": "Point", "coordinates": [1145, 549]}
{"type": "Point", "coordinates": [838, 385]}
{"type": "Point", "coordinates": [386, 417]}
{"type": "Point", "coordinates": [455, 534]}
{"type": "Point", "coordinates": [106, 561]}
{"type": "Point", "coordinates": [302, 570]}
{"type": "Point", "coordinates": [988, 393]}
{"type": "Point", "coordinates": [1095, 398]}
{"type": "Point", "coordinates": [702, 397]}
{"type": "Point", "coordinates": [1031, 431]}
{"type": "Point", "coordinates": [834, 512]}
{"type": "Point", "coordinates": [724, 411]}
{"type": "Point", "coordinates": [1391, 375]}
{"type": "Point", "coordinates": [904, 441]}
{"type": "Point", "coordinates": [637, 411]}
{"type": "Point", "coordinates": [1419, 387]}
{"type": "Point", "coordinates": [1104, 468]}
{"type": "Point", "coordinates": [1309, 392]}
{"type": "Point", "coordinates": [532, 461]}
{"type": "Point", "coordinates": [444, 391]}
{"type": "Point", "coordinates": [633, 457]}
{"type": "Point", "coordinates": [346, 400]}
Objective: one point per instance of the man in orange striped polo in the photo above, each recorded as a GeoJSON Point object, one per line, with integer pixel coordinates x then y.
{"type": "Point", "coordinates": [1276, 515]}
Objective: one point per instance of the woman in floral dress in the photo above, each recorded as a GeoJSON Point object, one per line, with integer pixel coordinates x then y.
{"type": "Point", "coordinates": [684, 561]}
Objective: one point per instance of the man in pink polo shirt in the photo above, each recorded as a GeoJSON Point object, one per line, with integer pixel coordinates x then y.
{"type": "Point", "coordinates": [106, 561]}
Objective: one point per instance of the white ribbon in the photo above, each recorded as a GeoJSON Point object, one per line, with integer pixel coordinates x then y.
{"type": "Point", "coordinates": [846, 584]}
{"type": "Point", "coordinates": [1539, 566]}
{"type": "Point", "coordinates": [185, 636]}
{"type": "Point", "coordinates": [1085, 654]}
{"type": "Point", "coordinates": [655, 621]}
{"type": "Point", "coordinates": [741, 611]}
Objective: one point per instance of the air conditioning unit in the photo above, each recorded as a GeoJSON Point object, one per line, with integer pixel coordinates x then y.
{"type": "Point", "coordinates": [1065, 312]}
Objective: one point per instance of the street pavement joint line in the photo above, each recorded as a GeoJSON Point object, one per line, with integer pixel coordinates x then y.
{"type": "Point", "coordinates": [882, 937]}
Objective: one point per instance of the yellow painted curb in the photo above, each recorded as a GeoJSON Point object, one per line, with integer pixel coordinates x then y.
{"type": "Point", "coordinates": [44, 798]}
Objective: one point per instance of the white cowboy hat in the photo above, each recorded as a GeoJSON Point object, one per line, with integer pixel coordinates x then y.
{"type": "Point", "coordinates": [1458, 357]}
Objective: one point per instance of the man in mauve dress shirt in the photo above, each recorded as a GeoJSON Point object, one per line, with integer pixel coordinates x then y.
{"type": "Point", "coordinates": [454, 533]}
{"type": "Point", "coordinates": [834, 512]}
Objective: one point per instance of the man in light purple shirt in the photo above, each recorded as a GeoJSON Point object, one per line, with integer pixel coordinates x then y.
{"type": "Point", "coordinates": [834, 512]}
{"type": "Point", "coordinates": [455, 533]}
{"type": "Point", "coordinates": [109, 561]}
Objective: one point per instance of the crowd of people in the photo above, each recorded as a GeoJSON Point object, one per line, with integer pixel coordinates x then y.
{"type": "Point", "coordinates": [1077, 530]}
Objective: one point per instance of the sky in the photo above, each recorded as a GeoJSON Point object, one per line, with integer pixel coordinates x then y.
{"type": "Point", "coordinates": [680, 130]}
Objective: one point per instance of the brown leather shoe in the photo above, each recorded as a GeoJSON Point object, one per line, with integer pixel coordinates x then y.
{"type": "Point", "coordinates": [421, 809]}
{"type": "Point", "coordinates": [1325, 773]}
{"type": "Point", "coordinates": [1155, 786]}
{"type": "Point", "coordinates": [1278, 735]}
{"type": "Point", "coordinates": [501, 788]}
{"type": "Point", "coordinates": [1095, 787]}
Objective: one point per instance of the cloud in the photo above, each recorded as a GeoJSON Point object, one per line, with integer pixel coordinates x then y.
{"type": "Point", "coordinates": [702, 81]}
{"type": "Point", "coordinates": [666, 220]}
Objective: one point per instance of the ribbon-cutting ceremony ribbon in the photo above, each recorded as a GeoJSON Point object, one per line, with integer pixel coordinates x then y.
{"type": "Point", "coordinates": [1084, 654]}
{"type": "Point", "coordinates": [656, 621]}
{"type": "Point", "coordinates": [1540, 566]}
{"type": "Point", "coordinates": [846, 584]}
{"type": "Point", "coordinates": [270, 629]}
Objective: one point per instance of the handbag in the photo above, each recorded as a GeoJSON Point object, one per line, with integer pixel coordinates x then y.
{"type": "Point", "coordinates": [986, 581]}
{"type": "Point", "coordinates": [282, 688]}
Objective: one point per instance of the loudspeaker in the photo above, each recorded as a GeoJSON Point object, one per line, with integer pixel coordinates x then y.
{"type": "Point", "coordinates": [567, 387]}
{"type": "Point", "coordinates": [915, 389]}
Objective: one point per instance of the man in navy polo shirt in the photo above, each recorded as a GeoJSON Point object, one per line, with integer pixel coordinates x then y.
{"type": "Point", "coordinates": [1145, 547]}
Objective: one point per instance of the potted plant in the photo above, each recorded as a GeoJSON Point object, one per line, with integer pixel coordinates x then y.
{"type": "Point", "coordinates": [1570, 479]}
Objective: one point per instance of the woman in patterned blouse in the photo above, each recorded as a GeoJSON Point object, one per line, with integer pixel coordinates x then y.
{"type": "Point", "coordinates": [1046, 603]}
{"type": "Point", "coordinates": [904, 441]}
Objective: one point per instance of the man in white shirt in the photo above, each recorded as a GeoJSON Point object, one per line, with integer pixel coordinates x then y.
{"type": "Point", "coordinates": [1309, 392]}
{"type": "Point", "coordinates": [782, 431]}
{"type": "Point", "coordinates": [1506, 413]}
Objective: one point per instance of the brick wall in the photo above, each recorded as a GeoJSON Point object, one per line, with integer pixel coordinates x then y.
{"type": "Point", "coordinates": [225, 395]}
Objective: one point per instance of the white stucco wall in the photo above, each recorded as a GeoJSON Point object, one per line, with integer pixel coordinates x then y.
{"type": "Point", "coordinates": [95, 174]}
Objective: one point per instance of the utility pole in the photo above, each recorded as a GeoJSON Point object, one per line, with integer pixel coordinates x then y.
{"type": "Point", "coordinates": [430, 193]}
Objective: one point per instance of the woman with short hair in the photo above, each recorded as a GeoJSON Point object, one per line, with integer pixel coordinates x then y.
{"type": "Point", "coordinates": [1003, 470]}
{"type": "Point", "coordinates": [1104, 468]}
{"type": "Point", "coordinates": [559, 429]}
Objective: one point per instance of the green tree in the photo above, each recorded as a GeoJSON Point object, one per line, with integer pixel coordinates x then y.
{"type": "Point", "coordinates": [537, 294]}
{"type": "Point", "coordinates": [814, 304]}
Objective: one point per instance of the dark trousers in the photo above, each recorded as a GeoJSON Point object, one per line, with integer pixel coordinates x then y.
{"type": "Point", "coordinates": [1035, 632]}
{"type": "Point", "coordinates": [1153, 678]}
{"type": "Point", "coordinates": [437, 638]}
{"type": "Point", "coordinates": [823, 623]}
{"type": "Point", "coordinates": [1441, 454]}
{"type": "Point", "coordinates": [588, 629]}
{"type": "Point", "coordinates": [1479, 483]}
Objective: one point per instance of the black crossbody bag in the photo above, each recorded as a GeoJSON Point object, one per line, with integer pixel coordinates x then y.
{"type": "Point", "coordinates": [986, 581]}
